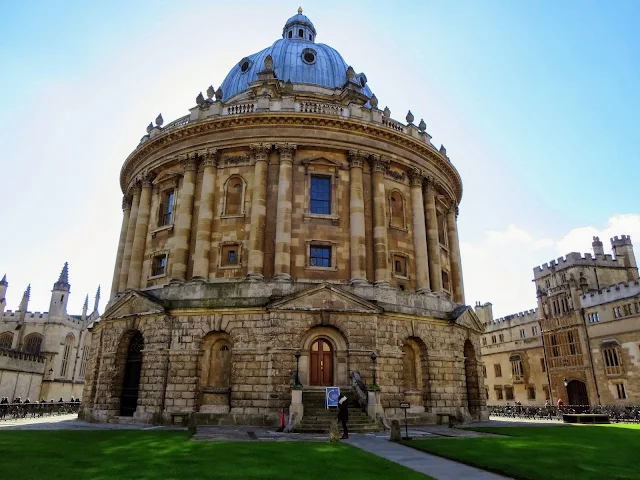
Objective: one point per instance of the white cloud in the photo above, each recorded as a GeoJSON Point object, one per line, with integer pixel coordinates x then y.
{"type": "Point", "coordinates": [499, 269]}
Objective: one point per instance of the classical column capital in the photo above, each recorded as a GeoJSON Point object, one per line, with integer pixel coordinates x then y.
{"type": "Point", "coordinates": [287, 150]}
{"type": "Point", "coordinates": [189, 161]}
{"type": "Point", "coordinates": [380, 163]}
{"type": "Point", "coordinates": [416, 177]}
{"type": "Point", "coordinates": [209, 156]}
{"type": "Point", "coordinates": [135, 188]}
{"type": "Point", "coordinates": [126, 202]}
{"type": "Point", "coordinates": [260, 151]}
{"type": "Point", "coordinates": [357, 158]}
{"type": "Point", "coordinates": [146, 179]}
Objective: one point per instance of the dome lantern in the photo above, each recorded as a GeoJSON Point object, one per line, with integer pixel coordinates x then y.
{"type": "Point", "coordinates": [299, 27]}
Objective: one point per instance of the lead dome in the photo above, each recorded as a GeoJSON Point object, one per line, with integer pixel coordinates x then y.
{"type": "Point", "coordinates": [296, 58]}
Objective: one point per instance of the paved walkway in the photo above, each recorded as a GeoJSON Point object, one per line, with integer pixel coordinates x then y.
{"type": "Point", "coordinates": [436, 467]}
{"type": "Point", "coordinates": [70, 422]}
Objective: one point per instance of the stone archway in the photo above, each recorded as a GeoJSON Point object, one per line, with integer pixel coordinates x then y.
{"type": "Point", "coordinates": [131, 376]}
{"type": "Point", "coordinates": [216, 372]}
{"type": "Point", "coordinates": [321, 363]}
{"type": "Point", "coordinates": [334, 349]}
{"type": "Point", "coordinates": [415, 374]}
{"type": "Point", "coordinates": [474, 400]}
{"type": "Point", "coordinates": [577, 393]}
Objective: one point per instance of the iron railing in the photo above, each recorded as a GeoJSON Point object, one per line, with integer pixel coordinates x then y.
{"type": "Point", "coordinates": [13, 411]}
{"type": "Point", "coordinates": [616, 413]}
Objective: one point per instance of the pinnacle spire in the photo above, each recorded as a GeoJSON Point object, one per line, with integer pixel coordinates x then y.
{"type": "Point", "coordinates": [25, 299]}
{"type": "Point", "coordinates": [4, 280]}
{"type": "Point", "coordinates": [86, 302]}
{"type": "Point", "coordinates": [64, 274]}
{"type": "Point", "coordinates": [95, 305]}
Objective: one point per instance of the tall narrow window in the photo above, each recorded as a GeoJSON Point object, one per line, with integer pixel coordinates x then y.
{"type": "Point", "coordinates": [523, 334]}
{"type": "Point", "coordinates": [66, 354]}
{"type": "Point", "coordinates": [234, 196]}
{"type": "Point", "coordinates": [442, 228]}
{"type": "Point", "coordinates": [320, 195]}
{"type": "Point", "coordinates": [396, 210]}
{"type": "Point", "coordinates": [612, 360]}
{"type": "Point", "coordinates": [498, 393]}
{"type": "Point", "coordinates": [531, 393]}
{"type": "Point", "coordinates": [622, 394]}
{"type": "Point", "coordinates": [445, 281]}
{"type": "Point", "coordinates": [83, 363]}
{"type": "Point", "coordinates": [572, 345]}
{"type": "Point", "coordinates": [497, 369]}
{"type": "Point", "coordinates": [501, 336]}
{"type": "Point", "coordinates": [554, 346]}
{"type": "Point", "coordinates": [543, 366]}
{"type": "Point", "coordinates": [166, 208]}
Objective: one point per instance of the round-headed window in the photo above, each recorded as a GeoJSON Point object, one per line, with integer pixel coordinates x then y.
{"type": "Point", "coordinates": [244, 65]}
{"type": "Point", "coordinates": [309, 56]}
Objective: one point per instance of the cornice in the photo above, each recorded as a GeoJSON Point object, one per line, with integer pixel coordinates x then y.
{"type": "Point", "coordinates": [342, 124]}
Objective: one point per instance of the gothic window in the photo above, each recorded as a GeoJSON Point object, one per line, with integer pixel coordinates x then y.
{"type": "Point", "coordinates": [166, 208]}
{"type": "Point", "coordinates": [159, 265]}
{"type": "Point", "coordinates": [33, 344]}
{"type": "Point", "coordinates": [554, 345]}
{"type": "Point", "coordinates": [484, 340]}
{"type": "Point", "coordinates": [66, 354]}
{"type": "Point", "coordinates": [396, 210]}
{"type": "Point", "coordinates": [83, 363]}
{"type": "Point", "coordinates": [320, 256]}
{"type": "Point", "coordinates": [612, 360]}
{"type": "Point", "coordinates": [234, 196]}
{"type": "Point", "coordinates": [320, 195]}
{"type": "Point", "coordinates": [6, 339]}
{"type": "Point", "coordinates": [493, 339]}
{"type": "Point", "coordinates": [572, 345]}
{"type": "Point", "coordinates": [616, 312]}
{"type": "Point", "coordinates": [497, 369]}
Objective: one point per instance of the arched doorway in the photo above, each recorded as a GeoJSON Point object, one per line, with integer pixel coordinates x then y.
{"type": "Point", "coordinates": [321, 363]}
{"type": "Point", "coordinates": [471, 372]}
{"type": "Point", "coordinates": [131, 381]}
{"type": "Point", "coordinates": [577, 393]}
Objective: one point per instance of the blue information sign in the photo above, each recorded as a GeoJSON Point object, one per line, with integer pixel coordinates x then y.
{"type": "Point", "coordinates": [332, 395]}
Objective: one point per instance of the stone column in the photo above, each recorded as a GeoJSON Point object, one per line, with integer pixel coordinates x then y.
{"type": "Point", "coordinates": [255, 268]}
{"type": "Point", "coordinates": [140, 237]}
{"type": "Point", "coordinates": [282, 264]}
{"type": "Point", "coordinates": [126, 210]}
{"type": "Point", "coordinates": [380, 243]}
{"type": "Point", "coordinates": [433, 244]}
{"type": "Point", "coordinates": [205, 216]}
{"type": "Point", "coordinates": [419, 232]}
{"type": "Point", "coordinates": [454, 255]}
{"type": "Point", "coordinates": [182, 235]}
{"type": "Point", "coordinates": [356, 220]}
{"type": "Point", "coordinates": [131, 230]}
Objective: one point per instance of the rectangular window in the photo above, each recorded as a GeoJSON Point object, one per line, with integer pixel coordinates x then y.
{"type": "Point", "coordinates": [484, 371]}
{"type": "Point", "coordinates": [626, 309]}
{"type": "Point", "coordinates": [400, 265]}
{"type": "Point", "coordinates": [612, 360]}
{"type": "Point", "coordinates": [499, 393]}
{"type": "Point", "coordinates": [320, 256]}
{"type": "Point", "coordinates": [554, 348]}
{"type": "Point", "coordinates": [534, 331]}
{"type": "Point", "coordinates": [501, 337]}
{"type": "Point", "coordinates": [159, 265]}
{"type": "Point", "coordinates": [542, 365]}
{"type": "Point", "coordinates": [622, 394]}
{"type": "Point", "coordinates": [637, 307]}
{"type": "Point", "coordinates": [442, 228]}
{"type": "Point", "coordinates": [320, 195]}
{"type": "Point", "coordinates": [166, 208]}
{"type": "Point", "coordinates": [508, 391]}
{"type": "Point", "coordinates": [523, 334]}
{"type": "Point", "coordinates": [616, 312]}
{"type": "Point", "coordinates": [594, 317]}
{"type": "Point", "coordinates": [493, 339]}
{"type": "Point", "coordinates": [531, 393]}
{"type": "Point", "coordinates": [230, 255]}
{"type": "Point", "coordinates": [484, 340]}
{"type": "Point", "coordinates": [497, 370]}
{"type": "Point", "coordinates": [572, 345]}
{"type": "Point", "coordinates": [516, 367]}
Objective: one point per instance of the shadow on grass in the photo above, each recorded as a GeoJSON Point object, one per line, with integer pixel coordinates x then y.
{"type": "Point", "coordinates": [166, 455]}
{"type": "Point", "coordinates": [584, 452]}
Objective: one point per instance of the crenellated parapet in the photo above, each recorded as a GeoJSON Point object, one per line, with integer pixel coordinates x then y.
{"type": "Point", "coordinates": [610, 293]}
{"type": "Point", "coordinates": [575, 259]}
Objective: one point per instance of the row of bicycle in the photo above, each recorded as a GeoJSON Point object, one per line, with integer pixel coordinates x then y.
{"type": "Point", "coordinates": [616, 413]}
{"type": "Point", "coordinates": [10, 411]}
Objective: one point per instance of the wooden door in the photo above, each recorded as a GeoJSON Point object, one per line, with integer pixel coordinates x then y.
{"type": "Point", "coordinates": [321, 363]}
{"type": "Point", "coordinates": [577, 393]}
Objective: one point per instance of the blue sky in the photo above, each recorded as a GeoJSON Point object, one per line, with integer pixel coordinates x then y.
{"type": "Point", "coordinates": [536, 102]}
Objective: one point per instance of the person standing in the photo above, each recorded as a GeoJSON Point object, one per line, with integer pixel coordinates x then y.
{"type": "Point", "coordinates": [343, 415]}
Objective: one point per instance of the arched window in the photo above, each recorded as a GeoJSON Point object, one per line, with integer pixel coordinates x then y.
{"type": "Point", "coordinates": [300, 33]}
{"type": "Point", "coordinates": [33, 343]}
{"type": "Point", "coordinates": [6, 340]}
{"type": "Point", "coordinates": [396, 210]}
{"type": "Point", "coordinates": [409, 368]}
{"type": "Point", "coordinates": [83, 363]}
{"type": "Point", "coordinates": [66, 354]}
{"type": "Point", "coordinates": [290, 33]}
{"type": "Point", "coordinates": [220, 369]}
{"type": "Point", "coordinates": [234, 196]}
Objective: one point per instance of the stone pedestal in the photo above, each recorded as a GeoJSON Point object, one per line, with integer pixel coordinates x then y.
{"type": "Point", "coordinates": [374, 406]}
{"type": "Point", "coordinates": [296, 408]}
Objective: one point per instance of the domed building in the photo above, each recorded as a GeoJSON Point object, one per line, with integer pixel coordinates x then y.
{"type": "Point", "coordinates": [284, 236]}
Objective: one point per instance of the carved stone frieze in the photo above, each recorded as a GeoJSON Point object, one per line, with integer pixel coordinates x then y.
{"type": "Point", "coordinates": [234, 160]}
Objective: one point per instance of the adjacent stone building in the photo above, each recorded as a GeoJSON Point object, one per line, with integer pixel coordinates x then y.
{"type": "Point", "coordinates": [43, 355]}
{"type": "Point", "coordinates": [286, 234]}
{"type": "Point", "coordinates": [582, 343]}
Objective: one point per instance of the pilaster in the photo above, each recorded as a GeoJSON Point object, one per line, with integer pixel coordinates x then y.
{"type": "Point", "coordinates": [126, 211]}
{"type": "Point", "coordinates": [419, 232]}
{"type": "Point", "coordinates": [356, 219]}
{"type": "Point", "coordinates": [255, 267]}
{"type": "Point", "coordinates": [433, 246]}
{"type": "Point", "coordinates": [282, 262]}
{"type": "Point", "coordinates": [183, 219]}
{"type": "Point", "coordinates": [379, 166]}
{"type": "Point", "coordinates": [131, 230]}
{"type": "Point", "coordinates": [140, 236]}
{"type": "Point", "coordinates": [205, 215]}
{"type": "Point", "coordinates": [454, 252]}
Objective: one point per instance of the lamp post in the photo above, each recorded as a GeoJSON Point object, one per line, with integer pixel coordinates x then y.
{"type": "Point", "coordinates": [298, 355]}
{"type": "Point", "coordinates": [374, 357]}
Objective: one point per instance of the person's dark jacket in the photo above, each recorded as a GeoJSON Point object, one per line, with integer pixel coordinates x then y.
{"type": "Point", "coordinates": [343, 411]}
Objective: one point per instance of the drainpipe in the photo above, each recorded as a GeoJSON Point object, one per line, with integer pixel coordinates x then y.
{"type": "Point", "coordinates": [593, 370]}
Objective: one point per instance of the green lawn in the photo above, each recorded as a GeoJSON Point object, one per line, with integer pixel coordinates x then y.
{"type": "Point", "coordinates": [536, 453]}
{"type": "Point", "coordinates": [168, 455]}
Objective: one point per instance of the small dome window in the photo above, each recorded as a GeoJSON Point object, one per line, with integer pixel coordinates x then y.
{"type": "Point", "coordinates": [309, 56]}
{"type": "Point", "coordinates": [244, 64]}
{"type": "Point", "coordinates": [301, 33]}
{"type": "Point", "coordinates": [310, 37]}
{"type": "Point", "coordinates": [363, 80]}
{"type": "Point", "coordinates": [290, 33]}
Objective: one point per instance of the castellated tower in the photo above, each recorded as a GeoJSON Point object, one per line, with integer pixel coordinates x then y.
{"type": "Point", "coordinates": [598, 249]}
{"type": "Point", "coordinates": [60, 293]}
{"type": "Point", "coordinates": [623, 251]}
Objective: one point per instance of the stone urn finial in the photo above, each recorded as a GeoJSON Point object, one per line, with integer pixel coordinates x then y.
{"type": "Point", "coordinates": [374, 101]}
{"type": "Point", "coordinates": [149, 127]}
{"type": "Point", "coordinates": [210, 92]}
{"type": "Point", "coordinates": [351, 74]}
{"type": "Point", "coordinates": [422, 126]}
{"type": "Point", "coordinates": [410, 118]}
{"type": "Point", "coordinates": [268, 62]}
{"type": "Point", "coordinates": [219, 94]}
{"type": "Point", "coordinates": [443, 150]}
{"type": "Point", "coordinates": [159, 120]}
{"type": "Point", "coordinates": [386, 113]}
{"type": "Point", "coordinates": [200, 99]}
